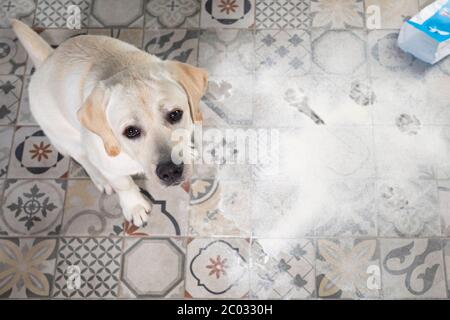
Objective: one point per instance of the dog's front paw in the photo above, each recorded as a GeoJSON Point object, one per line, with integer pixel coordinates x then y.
{"type": "Point", "coordinates": [137, 212]}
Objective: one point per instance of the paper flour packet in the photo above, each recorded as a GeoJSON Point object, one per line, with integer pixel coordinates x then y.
{"type": "Point", "coordinates": [427, 34]}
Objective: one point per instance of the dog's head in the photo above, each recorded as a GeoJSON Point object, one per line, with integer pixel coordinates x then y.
{"type": "Point", "coordinates": [137, 113]}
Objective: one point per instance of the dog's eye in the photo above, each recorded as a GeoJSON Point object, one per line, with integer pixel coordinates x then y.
{"type": "Point", "coordinates": [132, 132]}
{"type": "Point", "coordinates": [175, 116]}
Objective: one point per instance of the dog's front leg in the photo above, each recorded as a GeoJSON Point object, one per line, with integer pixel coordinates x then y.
{"type": "Point", "coordinates": [134, 206]}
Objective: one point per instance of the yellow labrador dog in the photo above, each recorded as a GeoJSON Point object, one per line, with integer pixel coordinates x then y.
{"type": "Point", "coordinates": [113, 108]}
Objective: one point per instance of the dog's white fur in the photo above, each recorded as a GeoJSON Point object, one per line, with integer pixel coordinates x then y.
{"type": "Point", "coordinates": [83, 95]}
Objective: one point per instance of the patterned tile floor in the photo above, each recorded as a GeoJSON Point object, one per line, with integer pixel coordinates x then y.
{"type": "Point", "coordinates": [360, 205]}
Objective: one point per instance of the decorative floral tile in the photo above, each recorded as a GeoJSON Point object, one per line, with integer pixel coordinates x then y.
{"type": "Point", "coordinates": [180, 45]}
{"type": "Point", "coordinates": [32, 207]}
{"type": "Point", "coordinates": [163, 275]}
{"type": "Point", "coordinates": [17, 9]}
{"type": "Point", "coordinates": [117, 14]}
{"type": "Point", "coordinates": [13, 57]}
{"type": "Point", "coordinates": [411, 150]}
{"type": "Point", "coordinates": [225, 93]}
{"type": "Point", "coordinates": [219, 208]}
{"type": "Point", "coordinates": [447, 263]}
{"type": "Point", "coordinates": [227, 14]}
{"type": "Point", "coordinates": [71, 14]}
{"type": "Point", "coordinates": [348, 268]}
{"type": "Point", "coordinates": [348, 48]}
{"type": "Point", "coordinates": [283, 14]}
{"type": "Point", "coordinates": [283, 52]}
{"type": "Point", "coordinates": [349, 209]}
{"type": "Point", "coordinates": [227, 52]}
{"type": "Point", "coordinates": [393, 13]}
{"type": "Point", "coordinates": [10, 90]}
{"type": "Point", "coordinates": [6, 135]}
{"type": "Point", "coordinates": [412, 268]}
{"type": "Point", "coordinates": [280, 209]}
{"type": "Point", "coordinates": [26, 267]}
{"type": "Point", "coordinates": [444, 206]}
{"type": "Point", "coordinates": [337, 14]}
{"type": "Point", "coordinates": [386, 58]}
{"type": "Point", "coordinates": [34, 156]}
{"type": "Point", "coordinates": [282, 269]}
{"type": "Point", "coordinates": [25, 117]}
{"type": "Point", "coordinates": [169, 214]}
{"type": "Point", "coordinates": [88, 268]}
{"type": "Point", "coordinates": [217, 268]}
{"type": "Point", "coordinates": [408, 208]}
{"type": "Point", "coordinates": [172, 14]}
{"type": "Point", "coordinates": [87, 212]}
{"type": "Point", "coordinates": [54, 37]}
{"type": "Point", "coordinates": [131, 36]}
{"type": "Point", "coordinates": [312, 99]}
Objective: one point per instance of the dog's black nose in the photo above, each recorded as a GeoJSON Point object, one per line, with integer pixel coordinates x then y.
{"type": "Point", "coordinates": [169, 172]}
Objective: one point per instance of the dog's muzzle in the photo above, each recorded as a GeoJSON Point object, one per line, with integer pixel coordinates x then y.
{"type": "Point", "coordinates": [170, 173]}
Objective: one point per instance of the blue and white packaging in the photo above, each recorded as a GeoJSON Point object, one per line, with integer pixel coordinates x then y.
{"type": "Point", "coordinates": [427, 34]}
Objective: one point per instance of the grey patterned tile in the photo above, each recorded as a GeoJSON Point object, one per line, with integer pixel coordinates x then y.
{"type": "Point", "coordinates": [225, 93]}
{"type": "Point", "coordinates": [219, 208]}
{"type": "Point", "coordinates": [289, 206]}
{"type": "Point", "coordinates": [393, 13]}
{"type": "Point", "coordinates": [444, 206]}
{"type": "Point", "coordinates": [179, 45]}
{"type": "Point", "coordinates": [348, 58]}
{"type": "Point", "coordinates": [88, 268]}
{"type": "Point", "coordinates": [349, 209]}
{"type": "Point", "coordinates": [348, 268]}
{"type": "Point", "coordinates": [163, 276]}
{"type": "Point", "coordinates": [33, 156]}
{"type": "Point", "coordinates": [337, 14]}
{"type": "Point", "coordinates": [412, 268]}
{"type": "Point", "coordinates": [227, 13]}
{"type": "Point", "coordinates": [25, 117]}
{"type": "Point", "coordinates": [320, 99]}
{"type": "Point", "coordinates": [386, 58]}
{"type": "Point", "coordinates": [283, 52]}
{"type": "Point", "coordinates": [282, 269]}
{"type": "Point", "coordinates": [227, 52]}
{"type": "Point", "coordinates": [17, 9]}
{"type": "Point", "coordinates": [408, 208]}
{"type": "Point", "coordinates": [87, 212]}
{"type": "Point", "coordinates": [447, 263]}
{"type": "Point", "coordinates": [27, 267]}
{"type": "Point", "coordinates": [283, 14]}
{"type": "Point", "coordinates": [411, 150]}
{"type": "Point", "coordinates": [10, 92]}
{"type": "Point", "coordinates": [32, 207]}
{"type": "Point", "coordinates": [70, 14]}
{"type": "Point", "coordinates": [13, 57]}
{"type": "Point", "coordinates": [172, 14]}
{"type": "Point", "coordinates": [117, 14]}
{"type": "Point", "coordinates": [217, 268]}
{"type": "Point", "coordinates": [131, 36]}
{"type": "Point", "coordinates": [6, 136]}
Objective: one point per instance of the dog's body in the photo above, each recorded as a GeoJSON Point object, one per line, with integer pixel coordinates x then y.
{"type": "Point", "coordinates": [90, 88]}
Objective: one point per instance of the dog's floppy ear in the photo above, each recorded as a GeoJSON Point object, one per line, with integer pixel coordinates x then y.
{"type": "Point", "coordinates": [194, 81]}
{"type": "Point", "coordinates": [92, 115]}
